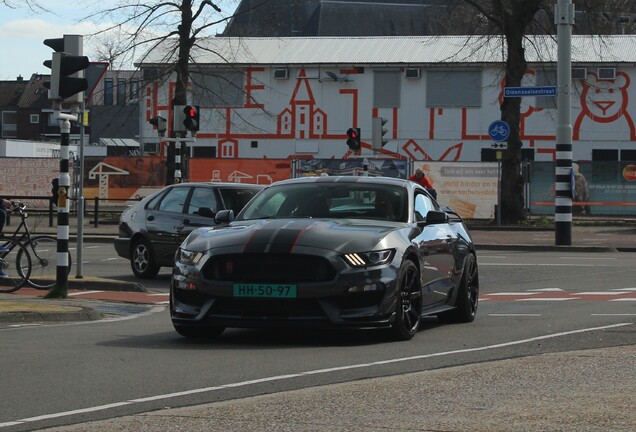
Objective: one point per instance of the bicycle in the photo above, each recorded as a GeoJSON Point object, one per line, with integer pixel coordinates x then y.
{"type": "Point", "coordinates": [42, 250]}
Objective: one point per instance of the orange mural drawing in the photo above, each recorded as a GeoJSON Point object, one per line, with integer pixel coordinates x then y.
{"type": "Point", "coordinates": [605, 101]}
{"type": "Point", "coordinates": [416, 152]}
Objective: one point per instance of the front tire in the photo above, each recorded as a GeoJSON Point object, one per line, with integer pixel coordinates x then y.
{"type": "Point", "coordinates": [408, 309]}
{"type": "Point", "coordinates": [142, 260]}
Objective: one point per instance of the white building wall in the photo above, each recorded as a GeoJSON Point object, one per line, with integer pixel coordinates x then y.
{"type": "Point", "coordinates": [308, 117]}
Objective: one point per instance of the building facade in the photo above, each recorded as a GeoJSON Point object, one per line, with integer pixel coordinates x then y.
{"type": "Point", "coordinates": [296, 97]}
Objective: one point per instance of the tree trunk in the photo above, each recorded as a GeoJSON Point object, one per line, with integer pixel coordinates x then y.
{"type": "Point", "coordinates": [511, 179]}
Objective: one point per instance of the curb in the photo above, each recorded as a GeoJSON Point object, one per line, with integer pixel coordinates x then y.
{"type": "Point", "coordinates": [62, 313]}
{"type": "Point", "coordinates": [95, 283]}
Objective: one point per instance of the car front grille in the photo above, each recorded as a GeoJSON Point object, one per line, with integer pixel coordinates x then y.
{"type": "Point", "coordinates": [269, 268]}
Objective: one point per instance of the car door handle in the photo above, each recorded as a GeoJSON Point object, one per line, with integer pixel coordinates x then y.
{"type": "Point", "coordinates": [186, 222]}
{"type": "Point", "coordinates": [150, 218]}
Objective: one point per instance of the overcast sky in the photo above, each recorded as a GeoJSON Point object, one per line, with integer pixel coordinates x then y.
{"type": "Point", "coordinates": [23, 31]}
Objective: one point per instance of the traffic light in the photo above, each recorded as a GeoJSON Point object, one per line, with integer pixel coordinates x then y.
{"type": "Point", "coordinates": [160, 123]}
{"type": "Point", "coordinates": [67, 69]}
{"type": "Point", "coordinates": [353, 138]}
{"type": "Point", "coordinates": [377, 133]}
{"type": "Point", "coordinates": [191, 120]}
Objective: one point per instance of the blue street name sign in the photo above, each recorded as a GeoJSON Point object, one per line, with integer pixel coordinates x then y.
{"type": "Point", "coordinates": [530, 91]}
{"type": "Point", "coordinates": [499, 130]}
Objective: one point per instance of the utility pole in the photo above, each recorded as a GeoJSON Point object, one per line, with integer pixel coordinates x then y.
{"type": "Point", "coordinates": [564, 179]}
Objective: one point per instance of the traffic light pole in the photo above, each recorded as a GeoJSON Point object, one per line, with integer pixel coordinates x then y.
{"type": "Point", "coordinates": [179, 148]}
{"type": "Point", "coordinates": [60, 290]}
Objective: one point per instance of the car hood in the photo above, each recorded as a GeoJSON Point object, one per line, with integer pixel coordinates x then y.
{"type": "Point", "coordinates": [286, 235]}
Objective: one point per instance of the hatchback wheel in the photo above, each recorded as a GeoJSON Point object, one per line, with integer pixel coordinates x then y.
{"type": "Point", "coordinates": [142, 260]}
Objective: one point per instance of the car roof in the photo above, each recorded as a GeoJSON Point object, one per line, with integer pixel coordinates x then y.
{"type": "Point", "coordinates": [218, 184]}
{"type": "Point", "coordinates": [346, 179]}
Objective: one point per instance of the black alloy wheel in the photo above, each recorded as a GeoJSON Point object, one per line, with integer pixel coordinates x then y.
{"type": "Point", "coordinates": [467, 295]}
{"type": "Point", "coordinates": [409, 304]}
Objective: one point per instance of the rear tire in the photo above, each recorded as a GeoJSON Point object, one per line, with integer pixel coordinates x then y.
{"type": "Point", "coordinates": [142, 260]}
{"type": "Point", "coordinates": [408, 310]}
{"type": "Point", "coordinates": [43, 250]}
{"type": "Point", "coordinates": [467, 295]}
{"type": "Point", "coordinates": [15, 265]}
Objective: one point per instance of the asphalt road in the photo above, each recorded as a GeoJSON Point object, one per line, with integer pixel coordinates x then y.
{"type": "Point", "coordinates": [531, 304]}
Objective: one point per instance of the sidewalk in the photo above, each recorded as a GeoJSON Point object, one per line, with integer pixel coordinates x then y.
{"type": "Point", "coordinates": [590, 390]}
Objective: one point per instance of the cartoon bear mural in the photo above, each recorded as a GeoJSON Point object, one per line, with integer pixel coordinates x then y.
{"type": "Point", "coordinates": [604, 101]}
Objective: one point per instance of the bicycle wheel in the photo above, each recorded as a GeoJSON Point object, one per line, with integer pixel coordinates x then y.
{"type": "Point", "coordinates": [43, 251]}
{"type": "Point", "coordinates": [15, 265]}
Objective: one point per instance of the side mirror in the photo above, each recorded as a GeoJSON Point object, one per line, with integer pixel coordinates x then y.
{"type": "Point", "coordinates": [224, 217]}
{"type": "Point", "coordinates": [436, 217]}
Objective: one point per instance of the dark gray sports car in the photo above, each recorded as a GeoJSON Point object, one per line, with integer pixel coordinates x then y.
{"type": "Point", "coordinates": [327, 252]}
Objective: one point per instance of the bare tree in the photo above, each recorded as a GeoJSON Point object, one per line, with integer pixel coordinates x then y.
{"type": "Point", "coordinates": [513, 21]}
{"type": "Point", "coordinates": [152, 24]}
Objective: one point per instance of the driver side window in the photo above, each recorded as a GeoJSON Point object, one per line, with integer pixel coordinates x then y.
{"type": "Point", "coordinates": [422, 206]}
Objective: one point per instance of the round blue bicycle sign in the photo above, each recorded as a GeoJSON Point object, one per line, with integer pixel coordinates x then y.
{"type": "Point", "coordinates": [499, 130]}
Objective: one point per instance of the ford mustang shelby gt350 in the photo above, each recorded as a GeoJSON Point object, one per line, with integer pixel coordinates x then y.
{"type": "Point", "coordinates": [327, 252]}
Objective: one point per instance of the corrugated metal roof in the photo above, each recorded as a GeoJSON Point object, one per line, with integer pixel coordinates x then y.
{"type": "Point", "coordinates": [412, 50]}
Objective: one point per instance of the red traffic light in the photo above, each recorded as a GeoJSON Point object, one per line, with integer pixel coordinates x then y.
{"type": "Point", "coordinates": [191, 121]}
{"type": "Point", "coordinates": [353, 140]}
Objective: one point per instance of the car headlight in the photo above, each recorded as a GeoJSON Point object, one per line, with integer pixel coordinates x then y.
{"type": "Point", "coordinates": [372, 258]}
{"type": "Point", "coordinates": [189, 257]}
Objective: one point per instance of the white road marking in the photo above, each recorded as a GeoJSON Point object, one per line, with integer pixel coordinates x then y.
{"type": "Point", "coordinates": [624, 300]}
{"type": "Point", "coordinates": [513, 294]}
{"type": "Point", "coordinates": [588, 258]}
{"type": "Point", "coordinates": [623, 289]}
{"type": "Point", "coordinates": [111, 259]}
{"type": "Point", "coordinates": [549, 299]}
{"type": "Point", "coordinates": [514, 315]}
{"type": "Point", "coordinates": [158, 294]}
{"type": "Point", "coordinates": [84, 292]}
{"type": "Point", "coordinates": [547, 290]}
{"type": "Point", "coordinates": [302, 374]}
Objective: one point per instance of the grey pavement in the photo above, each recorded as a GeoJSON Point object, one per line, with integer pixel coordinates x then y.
{"type": "Point", "coordinates": [538, 393]}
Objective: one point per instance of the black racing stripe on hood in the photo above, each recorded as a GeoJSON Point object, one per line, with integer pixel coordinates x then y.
{"type": "Point", "coordinates": [259, 241]}
{"type": "Point", "coordinates": [284, 241]}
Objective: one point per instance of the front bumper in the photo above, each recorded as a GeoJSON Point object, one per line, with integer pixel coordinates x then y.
{"type": "Point", "coordinates": [354, 298]}
{"type": "Point", "coordinates": [122, 247]}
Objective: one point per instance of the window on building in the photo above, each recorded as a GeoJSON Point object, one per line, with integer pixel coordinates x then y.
{"type": "Point", "coordinates": [218, 88]}
{"type": "Point", "coordinates": [453, 88]}
{"type": "Point", "coordinates": [9, 124]}
{"type": "Point", "coordinates": [604, 155]}
{"type": "Point", "coordinates": [108, 91]}
{"type": "Point", "coordinates": [547, 77]}
{"type": "Point", "coordinates": [34, 118]}
{"type": "Point", "coordinates": [121, 91]}
{"type": "Point", "coordinates": [134, 90]}
{"type": "Point", "coordinates": [628, 155]}
{"type": "Point", "coordinates": [204, 152]}
{"type": "Point", "coordinates": [386, 88]}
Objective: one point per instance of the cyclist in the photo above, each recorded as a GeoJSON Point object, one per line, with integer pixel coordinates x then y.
{"type": "Point", "coordinates": [420, 178]}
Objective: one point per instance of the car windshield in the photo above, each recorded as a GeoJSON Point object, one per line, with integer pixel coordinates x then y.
{"type": "Point", "coordinates": [329, 200]}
